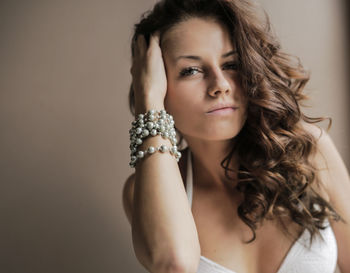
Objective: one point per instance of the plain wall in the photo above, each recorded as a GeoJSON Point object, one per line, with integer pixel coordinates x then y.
{"type": "Point", "coordinates": [64, 80]}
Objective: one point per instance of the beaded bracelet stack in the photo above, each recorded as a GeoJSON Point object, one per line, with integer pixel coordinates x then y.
{"type": "Point", "coordinates": [152, 123]}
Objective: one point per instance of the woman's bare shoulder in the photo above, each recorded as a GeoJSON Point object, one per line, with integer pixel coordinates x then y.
{"type": "Point", "coordinates": [311, 128]}
{"type": "Point", "coordinates": [335, 176]}
{"type": "Point", "coordinates": [317, 159]}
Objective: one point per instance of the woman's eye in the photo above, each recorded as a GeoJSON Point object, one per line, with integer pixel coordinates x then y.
{"type": "Point", "coordinates": [233, 66]}
{"type": "Point", "coordinates": [189, 71]}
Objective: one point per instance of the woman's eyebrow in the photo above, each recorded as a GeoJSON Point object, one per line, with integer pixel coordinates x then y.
{"type": "Point", "coordinates": [192, 57]}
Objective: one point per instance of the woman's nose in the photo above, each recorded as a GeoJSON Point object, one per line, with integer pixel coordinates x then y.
{"type": "Point", "coordinates": [218, 84]}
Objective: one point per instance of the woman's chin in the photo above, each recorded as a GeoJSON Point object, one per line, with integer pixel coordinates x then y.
{"type": "Point", "coordinates": [214, 136]}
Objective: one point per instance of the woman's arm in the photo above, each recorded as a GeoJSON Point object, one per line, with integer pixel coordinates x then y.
{"type": "Point", "coordinates": [335, 178]}
{"type": "Point", "coordinates": [164, 234]}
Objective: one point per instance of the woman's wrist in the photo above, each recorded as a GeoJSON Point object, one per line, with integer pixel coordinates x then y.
{"type": "Point", "coordinates": [151, 124]}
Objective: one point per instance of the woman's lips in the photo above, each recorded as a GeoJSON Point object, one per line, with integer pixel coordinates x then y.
{"type": "Point", "coordinates": [223, 111]}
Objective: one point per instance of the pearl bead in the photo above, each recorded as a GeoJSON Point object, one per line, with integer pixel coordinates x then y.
{"type": "Point", "coordinates": [154, 132]}
{"type": "Point", "coordinates": [138, 141]}
{"type": "Point", "coordinates": [173, 150]}
{"type": "Point", "coordinates": [140, 154]}
{"type": "Point", "coordinates": [149, 125]}
{"type": "Point", "coordinates": [151, 117]}
{"type": "Point", "coordinates": [151, 150]}
{"type": "Point", "coordinates": [138, 130]}
{"type": "Point", "coordinates": [145, 132]}
{"type": "Point", "coordinates": [163, 149]}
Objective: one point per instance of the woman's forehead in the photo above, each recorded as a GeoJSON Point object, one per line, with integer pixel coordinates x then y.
{"type": "Point", "coordinates": [196, 35]}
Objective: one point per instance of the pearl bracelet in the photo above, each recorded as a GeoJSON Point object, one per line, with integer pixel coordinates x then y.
{"type": "Point", "coordinates": [149, 124]}
{"type": "Point", "coordinates": [151, 150]}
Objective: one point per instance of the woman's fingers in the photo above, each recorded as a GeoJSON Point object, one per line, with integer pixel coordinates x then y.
{"type": "Point", "coordinates": [154, 41]}
{"type": "Point", "coordinates": [140, 44]}
{"type": "Point", "coordinates": [155, 38]}
{"type": "Point", "coordinates": [148, 70]}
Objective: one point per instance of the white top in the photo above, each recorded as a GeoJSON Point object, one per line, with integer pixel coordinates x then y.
{"type": "Point", "coordinates": [320, 258]}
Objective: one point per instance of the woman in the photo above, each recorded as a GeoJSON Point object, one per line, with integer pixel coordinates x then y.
{"type": "Point", "coordinates": [250, 192]}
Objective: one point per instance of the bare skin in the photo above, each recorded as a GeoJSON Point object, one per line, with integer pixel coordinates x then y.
{"type": "Point", "coordinates": [222, 233]}
{"type": "Point", "coordinates": [211, 79]}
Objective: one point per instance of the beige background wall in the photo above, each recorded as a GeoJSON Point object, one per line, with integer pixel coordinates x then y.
{"type": "Point", "coordinates": [64, 78]}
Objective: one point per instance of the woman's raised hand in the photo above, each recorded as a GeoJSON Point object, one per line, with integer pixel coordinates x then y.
{"type": "Point", "coordinates": [148, 74]}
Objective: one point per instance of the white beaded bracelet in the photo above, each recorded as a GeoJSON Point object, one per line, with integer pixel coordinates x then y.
{"type": "Point", "coordinates": [151, 150]}
{"type": "Point", "coordinates": [150, 124]}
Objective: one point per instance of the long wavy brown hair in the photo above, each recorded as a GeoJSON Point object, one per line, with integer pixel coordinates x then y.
{"type": "Point", "coordinates": [275, 173]}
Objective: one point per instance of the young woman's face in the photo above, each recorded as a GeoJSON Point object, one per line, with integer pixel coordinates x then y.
{"type": "Point", "coordinates": [201, 69]}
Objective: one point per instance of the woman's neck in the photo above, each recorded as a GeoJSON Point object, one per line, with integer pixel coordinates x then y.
{"type": "Point", "coordinates": [206, 163]}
